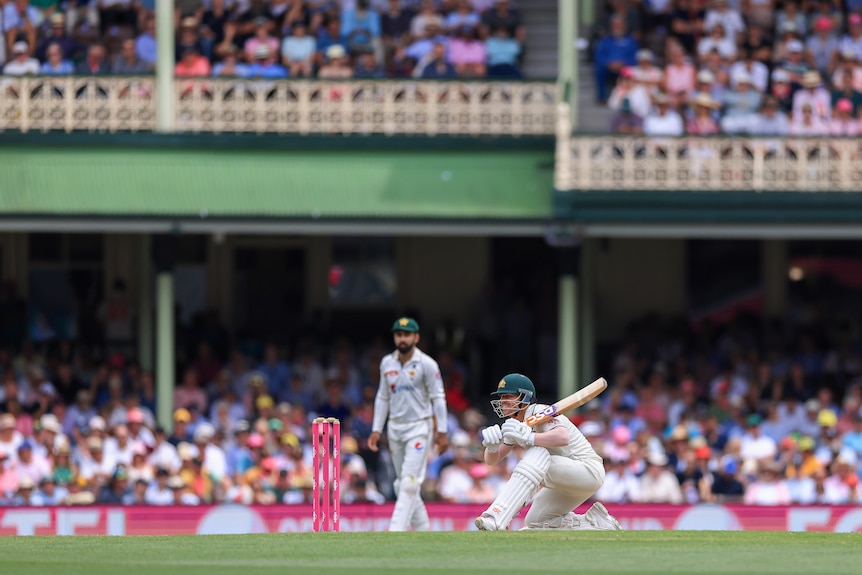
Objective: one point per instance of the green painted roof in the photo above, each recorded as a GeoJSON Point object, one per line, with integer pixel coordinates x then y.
{"type": "Point", "coordinates": [92, 180]}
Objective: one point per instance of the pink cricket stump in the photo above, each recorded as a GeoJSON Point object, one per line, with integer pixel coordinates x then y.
{"type": "Point", "coordinates": [326, 458]}
{"type": "Point", "coordinates": [336, 473]}
{"type": "Point", "coordinates": [315, 450]}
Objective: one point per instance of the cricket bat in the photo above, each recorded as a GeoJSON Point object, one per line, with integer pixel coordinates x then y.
{"type": "Point", "coordinates": [569, 403]}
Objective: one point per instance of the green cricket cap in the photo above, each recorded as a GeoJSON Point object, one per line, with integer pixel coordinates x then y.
{"type": "Point", "coordinates": [405, 324]}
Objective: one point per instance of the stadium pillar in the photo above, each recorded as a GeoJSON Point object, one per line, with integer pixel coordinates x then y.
{"type": "Point", "coordinates": [587, 337]}
{"type": "Point", "coordinates": [773, 277]}
{"type": "Point", "coordinates": [165, 62]}
{"type": "Point", "coordinates": [567, 75]}
{"type": "Point", "coordinates": [164, 257]}
{"type": "Point", "coordinates": [567, 343]}
{"type": "Point", "coordinates": [145, 304]}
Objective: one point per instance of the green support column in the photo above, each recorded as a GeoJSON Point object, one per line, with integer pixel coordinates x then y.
{"type": "Point", "coordinates": [165, 377]}
{"type": "Point", "coordinates": [568, 338]}
{"type": "Point", "coordinates": [773, 277]}
{"type": "Point", "coordinates": [588, 334]}
{"type": "Point", "coordinates": [145, 304]}
{"type": "Point", "coordinates": [567, 75]}
{"type": "Point", "coordinates": [568, 361]}
{"type": "Point", "coordinates": [165, 117]}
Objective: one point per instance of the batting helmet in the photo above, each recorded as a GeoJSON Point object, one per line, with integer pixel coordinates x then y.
{"type": "Point", "coordinates": [513, 384]}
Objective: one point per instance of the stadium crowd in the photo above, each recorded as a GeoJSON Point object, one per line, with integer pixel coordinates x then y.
{"type": "Point", "coordinates": [723, 413]}
{"type": "Point", "coordinates": [755, 67]}
{"type": "Point", "coordinates": [267, 38]}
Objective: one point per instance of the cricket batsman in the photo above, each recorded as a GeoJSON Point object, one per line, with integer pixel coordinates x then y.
{"type": "Point", "coordinates": [559, 470]}
{"type": "Point", "coordinates": [412, 399]}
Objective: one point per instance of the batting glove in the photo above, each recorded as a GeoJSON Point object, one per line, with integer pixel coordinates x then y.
{"type": "Point", "coordinates": [491, 438]}
{"type": "Point", "coordinates": [519, 433]}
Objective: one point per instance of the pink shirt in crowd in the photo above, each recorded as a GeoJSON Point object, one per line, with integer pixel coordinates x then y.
{"type": "Point", "coordinates": [463, 52]}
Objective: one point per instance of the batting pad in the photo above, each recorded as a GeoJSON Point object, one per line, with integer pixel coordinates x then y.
{"type": "Point", "coordinates": [525, 481]}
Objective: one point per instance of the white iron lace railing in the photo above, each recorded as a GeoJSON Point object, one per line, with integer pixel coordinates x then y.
{"type": "Point", "coordinates": [690, 163]}
{"type": "Point", "coordinates": [218, 105]}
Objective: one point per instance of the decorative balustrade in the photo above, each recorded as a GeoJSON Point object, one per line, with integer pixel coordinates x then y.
{"type": "Point", "coordinates": [218, 105]}
{"type": "Point", "coordinates": [720, 164]}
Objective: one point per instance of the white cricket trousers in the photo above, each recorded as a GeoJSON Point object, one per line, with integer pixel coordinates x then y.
{"type": "Point", "coordinates": [567, 484]}
{"type": "Point", "coordinates": [410, 445]}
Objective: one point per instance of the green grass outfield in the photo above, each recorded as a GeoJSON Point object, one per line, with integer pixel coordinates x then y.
{"type": "Point", "coordinates": [578, 553]}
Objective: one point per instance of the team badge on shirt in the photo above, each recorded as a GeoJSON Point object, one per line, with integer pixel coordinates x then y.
{"type": "Point", "coordinates": [412, 373]}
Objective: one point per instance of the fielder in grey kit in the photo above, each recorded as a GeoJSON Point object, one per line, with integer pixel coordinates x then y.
{"type": "Point", "coordinates": [412, 398]}
{"type": "Point", "coordinates": [559, 469]}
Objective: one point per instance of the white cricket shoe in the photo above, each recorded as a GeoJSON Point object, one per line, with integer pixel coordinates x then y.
{"type": "Point", "coordinates": [486, 523]}
{"type": "Point", "coordinates": [598, 515]}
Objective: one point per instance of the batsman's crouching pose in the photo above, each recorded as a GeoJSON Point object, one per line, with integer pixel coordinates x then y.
{"type": "Point", "coordinates": [558, 459]}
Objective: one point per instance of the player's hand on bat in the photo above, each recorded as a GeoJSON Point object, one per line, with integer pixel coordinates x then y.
{"type": "Point", "coordinates": [492, 437]}
{"type": "Point", "coordinates": [518, 432]}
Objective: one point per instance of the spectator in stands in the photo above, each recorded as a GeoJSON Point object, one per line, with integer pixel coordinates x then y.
{"type": "Point", "coordinates": [261, 37]}
{"type": "Point", "coordinates": [297, 55]}
{"type": "Point", "coordinates": [463, 15]}
{"type": "Point", "coordinates": [726, 485]}
{"type": "Point", "coordinates": [96, 63]}
{"type": "Point", "coordinates": [815, 96]}
{"type": "Point", "coordinates": [662, 120]}
{"type": "Point", "coordinates": [337, 65]}
{"type": "Point", "coordinates": [658, 484]}
{"type": "Point", "coordinates": [503, 52]}
{"type": "Point", "coordinates": [757, 72]}
{"type": "Point", "coordinates": [686, 23]}
{"type": "Point", "coordinates": [620, 485]}
{"type": "Point", "coordinates": [842, 486]}
{"type": "Point", "coordinates": [360, 27]}
{"type": "Point", "coordinates": [717, 41]}
{"type": "Point", "coordinates": [788, 35]}
{"type": "Point", "coordinates": [49, 493]}
{"type": "Point", "coordinates": [504, 15]}
{"type": "Point", "coordinates": [702, 123]}
{"type": "Point", "coordinates": [127, 61]}
{"type": "Point", "coordinates": [21, 22]}
{"type": "Point", "coordinates": [758, 43]}
{"type": "Point", "coordinates": [679, 76]}
{"type": "Point", "coordinates": [794, 62]}
{"type": "Point", "coordinates": [57, 35]}
{"type": "Point", "coordinates": [467, 53]}
{"type": "Point", "coordinates": [847, 73]}
{"type": "Point", "coordinates": [329, 36]}
{"type": "Point", "coordinates": [769, 488]}
{"type": "Point", "coordinates": [843, 123]}
{"type": "Point", "coordinates": [740, 105]}
{"type": "Point", "coordinates": [782, 91]}
{"type": "Point", "coordinates": [54, 64]}
{"type": "Point", "coordinates": [625, 120]}
{"type": "Point", "coordinates": [729, 17]}
{"type": "Point", "coordinates": [437, 66]}
{"type": "Point", "coordinates": [264, 64]}
{"type": "Point", "coordinates": [852, 41]}
{"type": "Point", "coordinates": [367, 67]}
{"type": "Point", "coordinates": [822, 46]}
{"type": "Point", "coordinates": [790, 17]}
{"type": "Point", "coordinates": [212, 27]}
{"type": "Point", "coordinates": [613, 53]}
{"type": "Point", "coordinates": [145, 43]}
{"type": "Point", "coordinates": [21, 62]}
{"type": "Point", "coordinates": [634, 93]}
{"type": "Point", "coordinates": [646, 73]}
{"type": "Point", "coordinates": [395, 28]}
{"type": "Point", "coordinates": [758, 12]}
{"type": "Point", "coordinates": [420, 50]}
